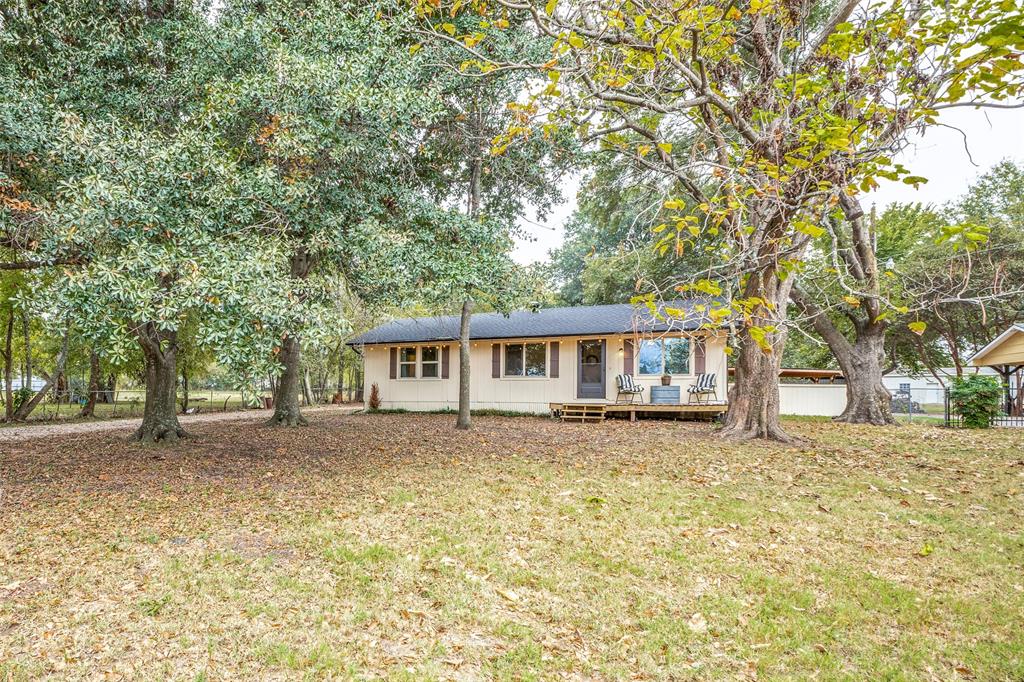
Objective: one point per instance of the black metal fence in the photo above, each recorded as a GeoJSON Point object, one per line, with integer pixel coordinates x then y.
{"type": "Point", "coordinates": [1011, 416]}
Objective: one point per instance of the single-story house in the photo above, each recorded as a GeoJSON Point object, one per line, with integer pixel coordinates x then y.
{"type": "Point", "coordinates": [526, 361]}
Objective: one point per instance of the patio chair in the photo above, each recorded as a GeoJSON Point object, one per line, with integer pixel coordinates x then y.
{"type": "Point", "coordinates": [627, 387]}
{"type": "Point", "coordinates": [702, 388]}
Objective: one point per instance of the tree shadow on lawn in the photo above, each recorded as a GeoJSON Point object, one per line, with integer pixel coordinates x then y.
{"type": "Point", "coordinates": [354, 447]}
{"type": "Point", "coordinates": [621, 532]}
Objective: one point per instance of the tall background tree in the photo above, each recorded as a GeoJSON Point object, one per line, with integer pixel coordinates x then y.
{"type": "Point", "coordinates": [767, 117]}
{"type": "Point", "coordinates": [326, 103]}
{"type": "Point", "coordinates": [460, 167]}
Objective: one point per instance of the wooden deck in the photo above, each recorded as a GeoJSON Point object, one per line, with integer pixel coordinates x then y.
{"type": "Point", "coordinates": [591, 412]}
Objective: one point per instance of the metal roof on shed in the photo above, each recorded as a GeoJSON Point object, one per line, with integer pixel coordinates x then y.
{"type": "Point", "coordinates": [575, 321]}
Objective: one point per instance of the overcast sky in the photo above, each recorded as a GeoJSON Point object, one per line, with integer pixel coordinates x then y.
{"type": "Point", "coordinates": [940, 156]}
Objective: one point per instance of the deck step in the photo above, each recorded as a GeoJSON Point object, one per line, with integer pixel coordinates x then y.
{"type": "Point", "coordinates": [582, 412]}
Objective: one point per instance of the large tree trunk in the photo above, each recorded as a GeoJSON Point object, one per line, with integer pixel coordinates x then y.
{"type": "Point", "coordinates": [868, 401]}
{"type": "Point", "coordinates": [286, 398]}
{"type": "Point", "coordinates": [863, 363]}
{"type": "Point", "coordinates": [862, 359]}
{"type": "Point", "coordinates": [89, 409]}
{"type": "Point", "coordinates": [286, 394]}
{"type": "Point", "coordinates": [463, 421]}
{"type": "Point", "coordinates": [754, 396]}
{"type": "Point", "coordinates": [160, 417]}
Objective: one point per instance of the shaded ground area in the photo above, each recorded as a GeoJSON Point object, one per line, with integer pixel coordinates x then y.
{"type": "Point", "coordinates": [35, 430]}
{"type": "Point", "coordinates": [392, 546]}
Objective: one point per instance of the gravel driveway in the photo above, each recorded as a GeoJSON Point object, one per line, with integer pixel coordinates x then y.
{"type": "Point", "coordinates": [15, 434]}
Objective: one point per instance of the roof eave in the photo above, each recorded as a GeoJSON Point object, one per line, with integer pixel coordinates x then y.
{"type": "Point", "coordinates": [356, 342]}
{"type": "Point", "coordinates": [974, 361]}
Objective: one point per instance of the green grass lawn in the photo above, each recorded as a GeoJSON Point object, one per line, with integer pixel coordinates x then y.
{"type": "Point", "coordinates": [391, 546]}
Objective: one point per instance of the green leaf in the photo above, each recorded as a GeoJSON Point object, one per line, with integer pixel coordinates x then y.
{"type": "Point", "coordinates": [917, 327]}
{"type": "Point", "coordinates": [550, 7]}
{"type": "Point", "coordinates": [814, 231]}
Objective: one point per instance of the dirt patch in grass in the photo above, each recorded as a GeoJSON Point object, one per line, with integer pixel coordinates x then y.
{"type": "Point", "coordinates": [394, 546]}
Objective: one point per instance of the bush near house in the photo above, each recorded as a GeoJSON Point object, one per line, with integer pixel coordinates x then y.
{"type": "Point", "coordinates": [976, 398]}
{"type": "Point", "coordinates": [374, 398]}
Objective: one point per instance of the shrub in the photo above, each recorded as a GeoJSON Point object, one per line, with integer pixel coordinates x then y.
{"type": "Point", "coordinates": [18, 397]}
{"type": "Point", "coordinates": [374, 398]}
{"type": "Point", "coordinates": [976, 398]}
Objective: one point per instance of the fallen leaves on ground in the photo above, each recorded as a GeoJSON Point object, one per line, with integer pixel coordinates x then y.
{"type": "Point", "coordinates": [394, 546]}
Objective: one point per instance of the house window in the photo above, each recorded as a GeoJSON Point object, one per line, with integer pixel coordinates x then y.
{"type": "Point", "coordinates": [904, 388]}
{"type": "Point", "coordinates": [649, 358]}
{"type": "Point", "coordinates": [663, 356]}
{"type": "Point", "coordinates": [429, 362]}
{"type": "Point", "coordinates": [677, 356]}
{"type": "Point", "coordinates": [407, 363]}
{"type": "Point", "coordinates": [525, 359]}
{"type": "Point", "coordinates": [536, 359]}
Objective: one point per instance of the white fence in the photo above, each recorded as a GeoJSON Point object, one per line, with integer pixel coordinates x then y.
{"type": "Point", "coordinates": [823, 400]}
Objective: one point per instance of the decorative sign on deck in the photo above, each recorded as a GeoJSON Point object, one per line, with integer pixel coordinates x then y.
{"type": "Point", "coordinates": [665, 395]}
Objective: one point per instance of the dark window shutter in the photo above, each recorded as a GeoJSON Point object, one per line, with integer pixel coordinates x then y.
{"type": "Point", "coordinates": [627, 356]}
{"type": "Point", "coordinates": [444, 361]}
{"type": "Point", "coordinates": [393, 352]}
{"type": "Point", "coordinates": [554, 360]}
{"type": "Point", "coordinates": [495, 360]}
{"type": "Point", "coordinates": [699, 359]}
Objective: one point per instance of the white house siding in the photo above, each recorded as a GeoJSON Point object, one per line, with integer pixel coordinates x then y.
{"type": "Point", "coordinates": [37, 384]}
{"type": "Point", "coordinates": [519, 394]}
{"type": "Point", "coordinates": [925, 388]}
{"type": "Point", "coordinates": [823, 400]}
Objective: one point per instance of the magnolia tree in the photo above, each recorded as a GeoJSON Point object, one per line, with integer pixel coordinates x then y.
{"type": "Point", "coordinates": [222, 170]}
{"type": "Point", "coordinates": [160, 231]}
{"type": "Point", "coordinates": [136, 214]}
{"type": "Point", "coordinates": [764, 119]}
{"type": "Point", "coordinates": [338, 108]}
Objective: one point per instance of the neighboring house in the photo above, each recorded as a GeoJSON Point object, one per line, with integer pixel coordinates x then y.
{"type": "Point", "coordinates": [527, 360]}
{"type": "Point", "coordinates": [1005, 356]}
{"type": "Point", "coordinates": [37, 384]}
{"type": "Point", "coordinates": [923, 386]}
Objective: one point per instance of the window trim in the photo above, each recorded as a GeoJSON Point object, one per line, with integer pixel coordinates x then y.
{"type": "Point", "coordinates": [661, 344]}
{"type": "Point", "coordinates": [504, 358]}
{"type": "Point", "coordinates": [436, 363]}
{"type": "Point", "coordinates": [406, 363]}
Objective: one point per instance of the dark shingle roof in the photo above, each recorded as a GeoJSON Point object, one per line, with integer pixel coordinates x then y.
{"type": "Point", "coordinates": [575, 321]}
